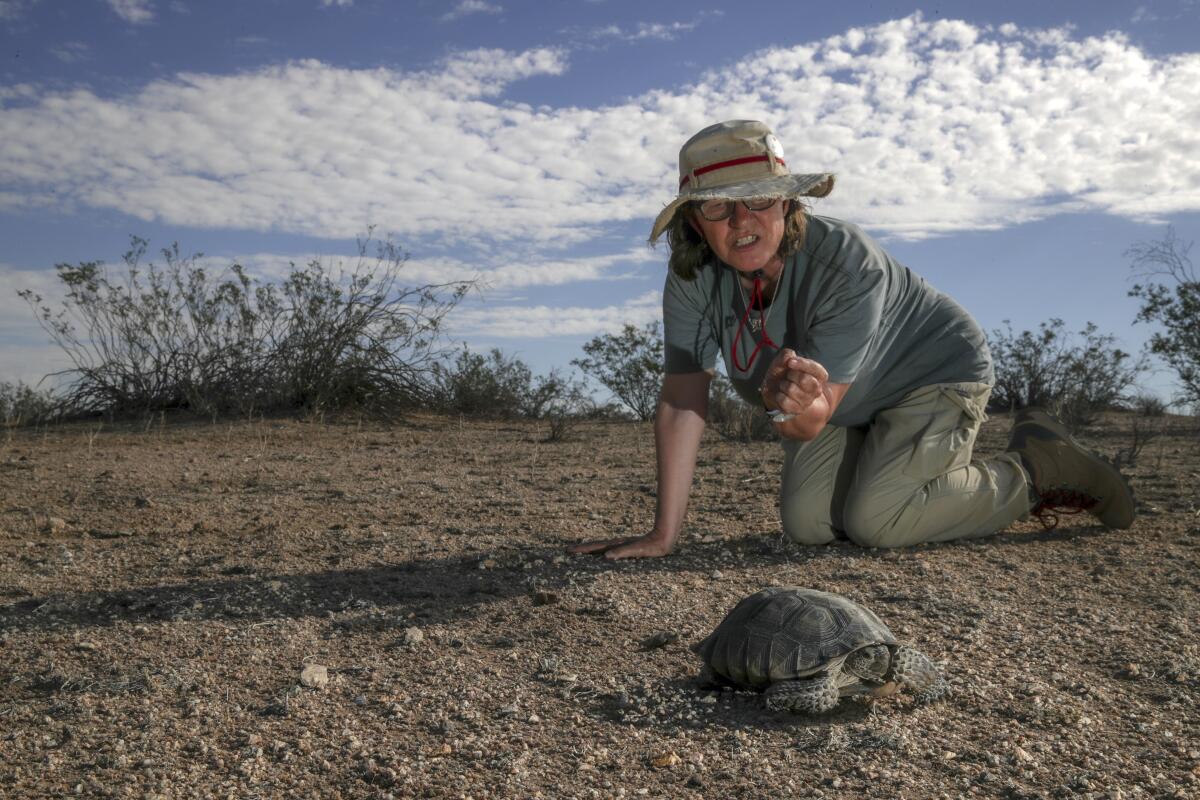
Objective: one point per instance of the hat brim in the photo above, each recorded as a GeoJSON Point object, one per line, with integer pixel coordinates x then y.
{"type": "Point", "coordinates": [816, 184]}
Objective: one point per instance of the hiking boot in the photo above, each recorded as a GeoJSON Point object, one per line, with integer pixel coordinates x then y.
{"type": "Point", "coordinates": [1066, 476]}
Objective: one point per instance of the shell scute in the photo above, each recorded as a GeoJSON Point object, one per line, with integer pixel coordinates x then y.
{"type": "Point", "coordinates": [782, 633]}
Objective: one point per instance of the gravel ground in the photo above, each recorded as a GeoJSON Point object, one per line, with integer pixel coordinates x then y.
{"type": "Point", "coordinates": [287, 609]}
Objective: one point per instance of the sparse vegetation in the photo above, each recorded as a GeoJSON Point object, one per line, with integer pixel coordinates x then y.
{"type": "Point", "coordinates": [1170, 296]}
{"type": "Point", "coordinates": [21, 404]}
{"type": "Point", "coordinates": [1076, 379]}
{"type": "Point", "coordinates": [496, 385]}
{"type": "Point", "coordinates": [146, 338]}
{"type": "Point", "coordinates": [628, 364]}
{"type": "Point", "coordinates": [734, 418]}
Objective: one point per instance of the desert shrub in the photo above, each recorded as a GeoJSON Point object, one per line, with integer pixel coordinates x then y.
{"type": "Point", "coordinates": [21, 404]}
{"type": "Point", "coordinates": [1170, 297]}
{"type": "Point", "coordinates": [1144, 404]}
{"type": "Point", "coordinates": [1075, 378]}
{"type": "Point", "coordinates": [629, 365]}
{"type": "Point", "coordinates": [733, 417]}
{"type": "Point", "coordinates": [1143, 429]}
{"type": "Point", "coordinates": [571, 406]}
{"type": "Point", "coordinates": [497, 385]}
{"type": "Point", "coordinates": [146, 337]}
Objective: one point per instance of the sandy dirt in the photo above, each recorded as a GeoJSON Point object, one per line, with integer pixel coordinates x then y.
{"type": "Point", "coordinates": [290, 609]}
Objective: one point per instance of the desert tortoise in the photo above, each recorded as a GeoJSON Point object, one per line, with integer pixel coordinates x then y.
{"type": "Point", "coordinates": [809, 648]}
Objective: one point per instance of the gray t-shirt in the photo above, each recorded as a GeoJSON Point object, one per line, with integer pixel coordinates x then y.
{"type": "Point", "coordinates": [843, 302]}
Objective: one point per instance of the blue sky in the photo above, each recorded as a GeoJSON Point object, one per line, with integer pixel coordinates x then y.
{"type": "Point", "coordinates": [1009, 152]}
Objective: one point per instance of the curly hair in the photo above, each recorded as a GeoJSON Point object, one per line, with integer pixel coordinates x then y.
{"type": "Point", "coordinates": [689, 251]}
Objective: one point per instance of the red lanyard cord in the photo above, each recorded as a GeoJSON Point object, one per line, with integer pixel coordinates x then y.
{"type": "Point", "coordinates": [756, 298]}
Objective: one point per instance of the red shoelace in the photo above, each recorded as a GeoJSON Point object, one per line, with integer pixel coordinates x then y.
{"type": "Point", "coordinates": [1061, 501]}
{"type": "Point", "coordinates": [756, 299]}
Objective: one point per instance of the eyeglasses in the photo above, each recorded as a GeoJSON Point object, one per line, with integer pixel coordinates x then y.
{"type": "Point", "coordinates": [717, 210]}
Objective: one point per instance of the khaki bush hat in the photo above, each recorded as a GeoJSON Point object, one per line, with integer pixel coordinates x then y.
{"type": "Point", "coordinates": [736, 160]}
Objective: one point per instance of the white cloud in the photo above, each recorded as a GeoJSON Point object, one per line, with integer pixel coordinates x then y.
{"type": "Point", "coordinates": [71, 52]}
{"type": "Point", "coordinates": [338, 3]}
{"type": "Point", "coordinates": [540, 322]}
{"type": "Point", "coordinates": [932, 127]}
{"type": "Point", "coordinates": [11, 9]}
{"type": "Point", "coordinates": [467, 7]}
{"type": "Point", "coordinates": [133, 11]}
{"type": "Point", "coordinates": [659, 31]}
{"type": "Point", "coordinates": [494, 274]}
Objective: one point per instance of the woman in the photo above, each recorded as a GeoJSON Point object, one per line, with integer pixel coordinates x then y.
{"type": "Point", "coordinates": [876, 381]}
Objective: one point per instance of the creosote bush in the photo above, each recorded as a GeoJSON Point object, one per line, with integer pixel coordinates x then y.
{"type": "Point", "coordinates": [21, 404]}
{"type": "Point", "coordinates": [628, 364]}
{"type": "Point", "coordinates": [733, 417]}
{"type": "Point", "coordinates": [1074, 379]}
{"type": "Point", "coordinates": [499, 386]}
{"type": "Point", "coordinates": [145, 337]}
{"type": "Point", "coordinates": [1170, 296]}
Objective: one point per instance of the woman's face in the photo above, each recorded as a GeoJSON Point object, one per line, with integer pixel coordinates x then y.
{"type": "Point", "coordinates": [745, 240]}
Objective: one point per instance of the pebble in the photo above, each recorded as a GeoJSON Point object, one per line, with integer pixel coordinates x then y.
{"type": "Point", "coordinates": [659, 639]}
{"type": "Point", "coordinates": [54, 525]}
{"type": "Point", "coordinates": [412, 636]}
{"type": "Point", "coordinates": [315, 676]}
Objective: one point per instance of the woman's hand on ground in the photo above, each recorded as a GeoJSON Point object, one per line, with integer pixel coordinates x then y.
{"type": "Point", "coordinates": [652, 545]}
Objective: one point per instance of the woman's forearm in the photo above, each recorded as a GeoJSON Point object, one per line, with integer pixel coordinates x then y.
{"type": "Point", "coordinates": [678, 428]}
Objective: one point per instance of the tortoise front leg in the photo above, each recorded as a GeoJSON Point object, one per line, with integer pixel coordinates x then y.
{"type": "Point", "coordinates": [806, 695]}
{"type": "Point", "coordinates": [911, 668]}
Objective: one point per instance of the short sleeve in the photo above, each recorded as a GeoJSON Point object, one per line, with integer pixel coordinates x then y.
{"type": "Point", "coordinates": [689, 341]}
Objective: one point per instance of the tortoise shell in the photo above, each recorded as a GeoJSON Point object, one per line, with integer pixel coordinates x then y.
{"type": "Point", "coordinates": [783, 633]}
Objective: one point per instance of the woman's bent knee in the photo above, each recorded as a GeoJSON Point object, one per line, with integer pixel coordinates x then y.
{"type": "Point", "coordinates": [806, 528]}
{"type": "Point", "coordinates": [871, 531]}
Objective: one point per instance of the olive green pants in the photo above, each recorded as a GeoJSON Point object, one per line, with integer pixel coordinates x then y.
{"type": "Point", "coordinates": [906, 478]}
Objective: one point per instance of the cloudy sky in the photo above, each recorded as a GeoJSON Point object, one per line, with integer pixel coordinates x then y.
{"type": "Point", "coordinates": [1008, 152]}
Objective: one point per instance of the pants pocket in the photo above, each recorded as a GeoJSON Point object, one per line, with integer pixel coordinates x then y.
{"type": "Point", "coordinates": [947, 438]}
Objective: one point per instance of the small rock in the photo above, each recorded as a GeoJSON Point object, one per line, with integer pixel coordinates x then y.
{"type": "Point", "coordinates": [143, 502]}
{"type": "Point", "coordinates": [1022, 755]}
{"type": "Point", "coordinates": [412, 636]}
{"type": "Point", "coordinates": [96, 533]}
{"type": "Point", "coordinates": [54, 525]}
{"type": "Point", "coordinates": [544, 598]}
{"type": "Point", "coordinates": [315, 676]}
{"type": "Point", "coordinates": [667, 759]}
{"type": "Point", "coordinates": [716, 574]}
{"type": "Point", "coordinates": [660, 639]}
{"type": "Point", "coordinates": [488, 563]}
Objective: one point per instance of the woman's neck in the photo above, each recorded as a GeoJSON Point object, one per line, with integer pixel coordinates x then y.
{"type": "Point", "coordinates": [769, 275]}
